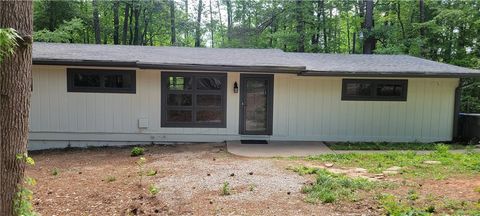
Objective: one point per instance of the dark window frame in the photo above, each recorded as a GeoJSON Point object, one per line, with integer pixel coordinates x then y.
{"type": "Point", "coordinates": [71, 72]}
{"type": "Point", "coordinates": [194, 92]}
{"type": "Point", "coordinates": [374, 96]}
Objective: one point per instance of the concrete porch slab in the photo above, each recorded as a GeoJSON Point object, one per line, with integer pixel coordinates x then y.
{"type": "Point", "coordinates": [278, 149]}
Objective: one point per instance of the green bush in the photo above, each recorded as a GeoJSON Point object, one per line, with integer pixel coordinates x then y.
{"type": "Point", "coordinates": [137, 151]}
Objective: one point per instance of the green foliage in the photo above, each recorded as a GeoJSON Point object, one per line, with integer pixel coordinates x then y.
{"type": "Point", "coordinates": [153, 190]}
{"type": "Point", "coordinates": [388, 146]}
{"type": "Point", "coordinates": [8, 42]}
{"type": "Point", "coordinates": [137, 151]}
{"type": "Point", "coordinates": [151, 173]}
{"type": "Point", "coordinates": [141, 164]}
{"type": "Point", "coordinates": [23, 200]}
{"type": "Point", "coordinates": [412, 163]}
{"type": "Point", "coordinates": [226, 189]}
{"type": "Point", "coordinates": [111, 179]}
{"type": "Point", "coordinates": [68, 32]}
{"type": "Point", "coordinates": [394, 207]}
{"type": "Point", "coordinates": [331, 187]}
{"type": "Point", "coordinates": [55, 171]}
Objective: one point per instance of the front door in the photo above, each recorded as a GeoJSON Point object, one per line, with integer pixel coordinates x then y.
{"type": "Point", "coordinates": [256, 104]}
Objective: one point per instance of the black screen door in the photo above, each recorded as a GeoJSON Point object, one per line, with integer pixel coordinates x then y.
{"type": "Point", "coordinates": [256, 104]}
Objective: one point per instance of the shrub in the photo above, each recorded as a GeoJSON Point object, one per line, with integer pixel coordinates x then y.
{"type": "Point", "coordinates": [137, 151]}
{"type": "Point", "coordinates": [55, 171]}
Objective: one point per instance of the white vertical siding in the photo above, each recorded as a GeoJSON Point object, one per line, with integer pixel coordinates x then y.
{"type": "Point", "coordinates": [305, 108]}
{"type": "Point", "coordinates": [310, 108]}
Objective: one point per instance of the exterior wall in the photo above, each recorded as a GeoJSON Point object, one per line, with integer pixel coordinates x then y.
{"type": "Point", "coordinates": [310, 108]}
{"type": "Point", "coordinates": [305, 108]}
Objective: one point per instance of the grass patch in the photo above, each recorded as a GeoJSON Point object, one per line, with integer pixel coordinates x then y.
{"type": "Point", "coordinates": [411, 162]}
{"type": "Point", "coordinates": [414, 146]}
{"type": "Point", "coordinates": [330, 187]}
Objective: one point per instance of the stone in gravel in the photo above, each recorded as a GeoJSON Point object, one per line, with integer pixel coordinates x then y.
{"type": "Point", "coordinates": [390, 172]}
{"type": "Point", "coordinates": [208, 174]}
{"type": "Point", "coordinates": [360, 170]}
{"type": "Point", "coordinates": [250, 173]}
{"type": "Point", "coordinates": [394, 168]}
{"type": "Point", "coordinates": [214, 159]}
{"type": "Point", "coordinates": [211, 202]}
{"type": "Point", "coordinates": [288, 193]}
{"type": "Point", "coordinates": [233, 174]}
{"type": "Point", "coordinates": [329, 165]}
{"type": "Point", "coordinates": [431, 162]}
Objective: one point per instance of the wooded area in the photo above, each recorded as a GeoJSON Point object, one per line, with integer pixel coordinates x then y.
{"type": "Point", "coordinates": [446, 31]}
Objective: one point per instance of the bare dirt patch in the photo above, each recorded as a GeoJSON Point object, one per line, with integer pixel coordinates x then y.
{"type": "Point", "coordinates": [104, 181]}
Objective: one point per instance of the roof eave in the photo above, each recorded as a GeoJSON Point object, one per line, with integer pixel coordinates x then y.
{"type": "Point", "coordinates": [179, 66]}
{"type": "Point", "coordinates": [390, 74]}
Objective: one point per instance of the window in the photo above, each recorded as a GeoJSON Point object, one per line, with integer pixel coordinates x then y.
{"type": "Point", "coordinates": [194, 99]}
{"type": "Point", "coordinates": [374, 90]}
{"type": "Point", "coordinates": [100, 80]}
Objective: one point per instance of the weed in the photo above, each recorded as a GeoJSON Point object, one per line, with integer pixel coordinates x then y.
{"type": "Point", "coordinates": [251, 187]}
{"type": "Point", "coordinates": [140, 164]}
{"type": "Point", "coordinates": [331, 187]}
{"type": "Point", "coordinates": [153, 190]}
{"type": "Point", "coordinates": [392, 206]}
{"type": "Point", "coordinates": [111, 179]}
{"type": "Point", "coordinates": [22, 204]}
{"type": "Point", "coordinates": [226, 189]}
{"type": "Point", "coordinates": [137, 151]}
{"type": "Point", "coordinates": [388, 146]}
{"type": "Point", "coordinates": [55, 171]}
{"type": "Point", "coordinates": [412, 195]}
{"type": "Point", "coordinates": [303, 170]}
{"type": "Point", "coordinates": [151, 173]}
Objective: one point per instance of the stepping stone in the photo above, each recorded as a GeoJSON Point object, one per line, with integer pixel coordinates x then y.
{"type": "Point", "coordinates": [431, 162]}
{"type": "Point", "coordinates": [329, 165]}
{"type": "Point", "coordinates": [394, 168]}
{"type": "Point", "coordinates": [390, 172]}
{"type": "Point", "coordinates": [360, 170]}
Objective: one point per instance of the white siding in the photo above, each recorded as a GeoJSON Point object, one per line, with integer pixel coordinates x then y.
{"type": "Point", "coordinates": [305, 108]}
{"type": "Point", "coordinates": [310, 108]}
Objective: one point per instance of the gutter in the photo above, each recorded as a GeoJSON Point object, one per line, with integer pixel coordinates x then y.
{"type": "Point", "coordinates": [387, 74]}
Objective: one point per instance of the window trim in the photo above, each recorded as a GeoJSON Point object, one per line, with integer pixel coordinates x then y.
{"type": "Point", "coordinates": [374, 96]}
{"type": "Point", "coordinates": [194, 108]}
{"type": "Point", "coordinates": [102, 72]}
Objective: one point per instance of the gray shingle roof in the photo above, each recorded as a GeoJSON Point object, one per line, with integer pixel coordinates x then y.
{"type": "Point", "coordinates": [261, 60]}
{"type": "Point", "coordinates": [373, 65]}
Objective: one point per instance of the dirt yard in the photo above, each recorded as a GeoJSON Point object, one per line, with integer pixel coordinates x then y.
{"type": "Point", "coordinates": [190, 180]}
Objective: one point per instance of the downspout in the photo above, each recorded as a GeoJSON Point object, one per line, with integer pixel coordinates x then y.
{"type": "Point", "coordinates": [456, 109]}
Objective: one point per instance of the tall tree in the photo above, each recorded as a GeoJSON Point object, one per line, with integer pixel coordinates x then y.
{"type": "Point", "coordinates": [198, 34]}
{"type": "Point", "coordinates": [212, 33]}
{"type": "Point", "coordinates": [369, 41]}
{"type": "Point", "coordinates": [229, 19]}
{"type": "Point", "coordinates": [96, 22]}
{"type": "Point", "coordinates": [116, 7]}
{"type": "Point", "coordinates": [136, 13]}
{"type": "Point", "coordinates": [15, 82]}
{"type": "Point", "coordinates": [125, 24]}
{"type": "Point", "coordinates": [300, 26]}
{"type": "Point", "coordinates": [173, 37]}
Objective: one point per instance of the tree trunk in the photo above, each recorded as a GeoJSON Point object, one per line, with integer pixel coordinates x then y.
{"type": "Point", "coordinates": [130, 24]}
{"type": "Point", "coordinates": [125, 24]}
{"type": "Point", "coordinates": [369, 42]}
{"type": "Point", "coordinates": [199, 21]}
{"type": "Point", "coordinates": [96, 22]}
{"type": "Point", "coordinates": [15, 91]}
{"type": "Point", "coordinates": [222, 32]}
{"type": "Point", "coordinates": [211, 25]}
{"type": "Point", "coordinates": [324, 23]}
{"type": "Point", "coordinates": [173, 37]}
{"type": "Point", "coordinates": [300, 26]}
{"type": "Point", "coordinates": [116, 6]}
{"type": "Point", "coordinates": [186, 21]}
{"type": "Point", "coordinates": [422, 16]}
{"type": "Point", "coordinates": [399, 17]}
{"type": "Point", "coordinates": [146, 20]}
{"type": "Point", "coordinates": [136, 13]}
{"type": "Point", "coordinates": [229, 19]}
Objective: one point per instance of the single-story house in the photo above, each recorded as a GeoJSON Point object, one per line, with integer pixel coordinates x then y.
{"type": "Point", "coordinates": [90, 95]}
